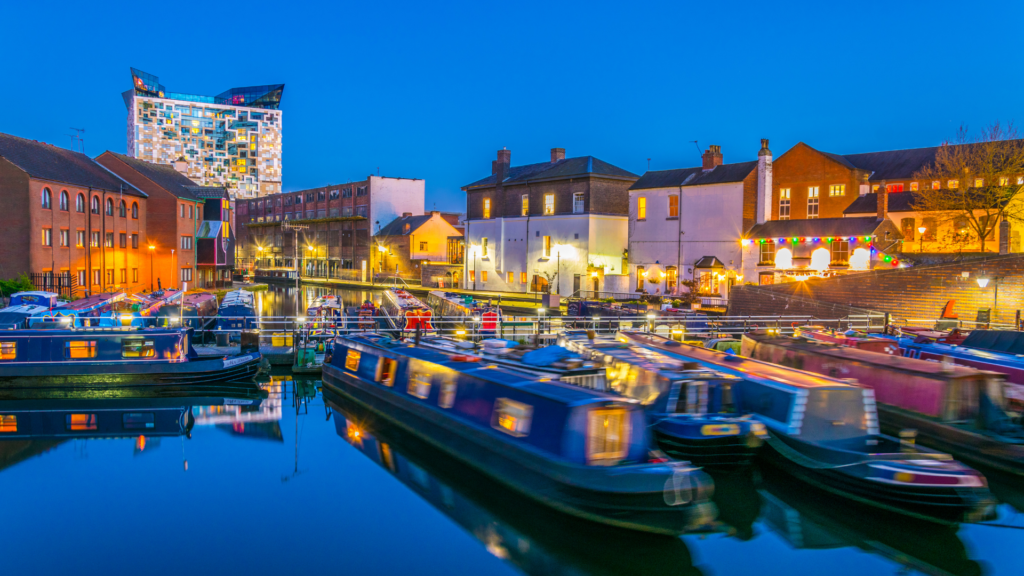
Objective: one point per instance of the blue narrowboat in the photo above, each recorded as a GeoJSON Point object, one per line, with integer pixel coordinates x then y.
{"type": "Point", "coordinates": [581, 451]}
{"type": "Point", "coordinates": [678, 397]}
{"type": "Point", "coordinates": [824, 431]}
{"type": "Point", "coordinates": [237, 311]}
{"type": "Point", "coordinates": [530, 536]}
{"type": "Point", "coordinates": [24, 305]}
{"type": "Point", "coordinates": [123, 356]}
{"type": "Point", "coordinates": [84, 312]}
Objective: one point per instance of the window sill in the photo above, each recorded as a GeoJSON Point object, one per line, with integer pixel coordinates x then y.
{"type": "Point", "coordinates": [544, 258]}
{"type": "Point", "coordinates": [672, 218]}
{"type": "Point", "coordinates": [641, 219]}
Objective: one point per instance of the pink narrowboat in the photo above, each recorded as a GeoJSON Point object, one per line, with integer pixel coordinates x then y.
{"type": "Point", "coordinates": [851, 340]}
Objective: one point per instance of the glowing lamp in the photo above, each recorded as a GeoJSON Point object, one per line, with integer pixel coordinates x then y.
{"type": "Point", "coordinates": [921, 229]}
{"type": "Point", "coordinates": [762, 240]}
{"type": "Point", "coordinates": [540, 310]}
{"type": "Point", "coordinates": [745, 242]}
{"type": "Point", "coordinates": [651, 316]}
{"type": "Point", "coordinates": [982, 282]}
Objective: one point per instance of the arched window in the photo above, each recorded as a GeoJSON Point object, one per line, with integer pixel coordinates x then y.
{"type": "Point", "coordinates": [122, 210]}
{"type": "Point", "coordinates": [80, 202]}
{"type": "Point", "coordinates": [110, 206]}
{"type": "Point", "coordinates": [64, 200]}
{"type": "Point", "coordinates": [135, 210]}
{"type": "Point", "coordinates": [95, 207]}
{"type": "Point", "coordinates": [47, 199]}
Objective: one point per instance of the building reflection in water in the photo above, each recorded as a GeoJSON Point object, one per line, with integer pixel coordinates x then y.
{"type": "Point", "coordinates": [261, 421]}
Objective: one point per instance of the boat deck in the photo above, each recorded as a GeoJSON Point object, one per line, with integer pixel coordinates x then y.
{"type": "Point", "coordinates": [276, 355]}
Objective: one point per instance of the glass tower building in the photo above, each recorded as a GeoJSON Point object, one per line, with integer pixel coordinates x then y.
{"type": "Point", "coordinates": [231, 140]}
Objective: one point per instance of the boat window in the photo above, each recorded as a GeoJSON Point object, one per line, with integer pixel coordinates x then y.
{"type": "Point", "coordinates": [765, 401]}
{"type": "Point", "coordinates": [633, 382]}
{"type": "Point", "coordinates": [419, 385]}
{"type": "Point", "coordinates": [138, 420]}
{"type": "Point", "coordinates": [962, 400]}
{"type": "Point", "coordinates": [386, 368]}
{"type": "Point", "coordinates": [352, 360]}
{"type": "Point", "coordinates": [80, 422]}
{"type": "Point", "coordinates": [693, 397]}
{"type": "Point", "coordinates": [447, 397]}
{"type": "Point", "coordinates": [8, 350]}
{"type": "Point", "coordinates": [512, 417]}
{"type": "Point", "coordinates": [137, 348]}
{"type": "Point", "coordinates": [607, 435]}
{"type": "Point", "coordinates": [80, 349]}
{"type": "Point", "coordinates": [387, 458]}
{"type": "Point", "coordinates": [8, 423]}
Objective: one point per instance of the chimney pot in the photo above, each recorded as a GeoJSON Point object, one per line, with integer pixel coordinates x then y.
{"type": "Point", "coordinates": [502, 165]}
{"type": "Point", "coordinates": [406, 214]}
{"type": "Point", "coordinates": [712, 157]}
{"type": "Point", "coordinates": [557, 154]}
{"type": "Point", "coordinates": [883, 202]}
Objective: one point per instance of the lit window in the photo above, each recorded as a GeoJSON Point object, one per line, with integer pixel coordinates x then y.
{"type": "Point", "coordinates": [419, 385]}
{"type": "Point", "coordinates": [979, 182]}
{"type": "Point", "coordinates": [953, 184]}
{"type": "Point", "coordinates": [640, 277]}
{"type": "Point", "coordinates": [487, 208]}
{"type": "Point", "coordinates": [8, 423]}
{"type": "Point", "coordinates": [936, 185]}
{"type": "Point", "coordinates": [483, 275]}
{"type": "Point", "coordinates": [526, 205]}
{"type": "Point", "coordinates": [549, 204]}
{"type": "Point", "coordinates": [913, 186]}
{"type": "Point", "coordinates": [136, 348]}
{"type": "Point", "coordinates": [446, 398]}
{"type": "Point", "coordinates": [1004, 181]}
{"type": "Point", "coordinates": [547, 247]}
{"type": "Point", "coordinates": [80, 422]}
{"type": "Point", "coordinates": [512, 417]}
{"type": "Point", "coordinates": [837, 190]}
{"type": "Point", "coordinates": [641, 208]}
{"type": "Point", "coordinates": [1020, 180]}
{"type": "Point", "coordinates": [812, 202]}
{"type": "Point", "coordinates": [577, 203]}
{"type": "Point", "coordinates": [894, 188]}
{"type": "Point", "coordinates": [483, 247]}
{"type": "Point", "coordinates": [673, 206]}
{"type": "Point", "coordinates": [522, 277]}
{"type": "Point", "coordinates": [472, 275]}
{"type": "Point", "coordinates": [784, 204]}
{"type": "Point", "coordinates": [607, 435]}
{"type": "Point", "coordinates": [8, 350]}
{"type": "Point", "coordinates": [80, 349]}
{"type": "Point", "coordinates": [386, 368]}
{"type": "Point", "coordinates": [352, 360]}
{"type": "Point", "coordinates": [510, 277]}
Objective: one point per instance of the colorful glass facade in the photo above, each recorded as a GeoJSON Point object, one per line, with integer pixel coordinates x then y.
{"type": "Point", "coordinates": [231, 140]}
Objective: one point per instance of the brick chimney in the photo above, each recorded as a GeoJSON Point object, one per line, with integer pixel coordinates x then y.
{"type": "Point", "coordinates": [712, 157]}
{"type": "Point", "coordinates": [764, 183]}
{"type": "Point", "coordinates": [883, 202]}
{"type": "Point", "coordinates": [494, 166]}
{"type": "Point", "coordinates": [557, 154]}
{"type": "Point", "coordinates": [503, 164]}
{"type": "Point", "coordinates": [406, 214]}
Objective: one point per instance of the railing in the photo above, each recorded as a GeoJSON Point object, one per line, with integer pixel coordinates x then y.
{"type": "Point", "coordinates": [948, 322]}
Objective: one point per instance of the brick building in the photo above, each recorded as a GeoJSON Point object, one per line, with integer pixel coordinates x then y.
{"type": "Point", "coordinates": [67, 216]}
{"type": "Point", "coordinates": [339, 221]}
{"type": "Point", "coordinates": [556, 221]}
{"type": "Point", "coordinates": [405, 243]}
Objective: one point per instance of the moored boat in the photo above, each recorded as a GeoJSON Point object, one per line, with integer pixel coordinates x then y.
{"type": "Point", "coordinates": [197, 310]}
{"type": "Point", "coordinates": [25, 305]}
{"type": "Point", "coordinates": [461, 313]}
{"type": "Point", "coordinates": [850, 339]}
{"type": "Point", "coordinates": [84, 312]}
{"type": "Point", "coordinates": [406, 313]}
{"type": "Point", "coordinates": [580, 451]}
{"type": "Point", "coordinates": [237, 311]}
{"type": "Point", "coordinates": [825, 431]}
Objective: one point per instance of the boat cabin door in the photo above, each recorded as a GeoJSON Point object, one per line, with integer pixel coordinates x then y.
{"type": "Point", "coordinates": [691, 397]}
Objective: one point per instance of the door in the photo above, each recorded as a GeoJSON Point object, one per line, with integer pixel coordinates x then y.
{"type": "Point", "coordinates": [575, 284]}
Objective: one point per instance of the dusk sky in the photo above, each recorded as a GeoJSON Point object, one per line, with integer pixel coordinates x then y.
{"type": "Point", "coordinates": [430, 90]}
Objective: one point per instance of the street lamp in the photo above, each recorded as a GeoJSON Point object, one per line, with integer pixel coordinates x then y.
{"type": "Point", "coordinates": [151, 250]}
{"type": "Point", "coordinates": [920, 235]}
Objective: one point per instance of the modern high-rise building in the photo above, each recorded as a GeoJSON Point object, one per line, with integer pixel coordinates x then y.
{"type": "Point", "coordinates": [231, 140]}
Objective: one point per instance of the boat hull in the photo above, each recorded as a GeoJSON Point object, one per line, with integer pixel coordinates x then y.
{"type": "Point", "coordinates": [103, 375]}
{"type": "Point", "coordinates": [581, 491]}
{"type": "Point", "coordinates": [728, 451]}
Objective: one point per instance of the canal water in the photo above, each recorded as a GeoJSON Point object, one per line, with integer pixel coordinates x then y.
{"type": "Point", "coordinates": [278, 482]}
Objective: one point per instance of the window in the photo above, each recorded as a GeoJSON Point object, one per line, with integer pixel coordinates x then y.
{"type": "Point", "coordinates": [135, 241]}
{"type": "Point", "coordinates": [953, 184]}
{"type": "Point", "coordinates": [110, 277]}
{"type": "Point", "coordinates": [135, 274]}
{"type": "Point", "coordinates": [386, 368]}
{"type": "Point", "coordinates": [76, 349]}
{"type": "Point", "coordinates": [837, 190]}
{"type": "Point", "coordinates": [95, 240]}
{"type": "Point", "coordinates": [110, 207]}
{"type": "Point", "coordinates": [547, 247]}
{"type": "Point", "coordinates": [472, 276]}
{"type": "Point", "coordinates": [510, 277]}
{"type": "Point", "coordinates": [483, 247]}
{"type": "Point", "coordinates": [80, 240]}
{"type": "Point", "coordinates": [1004, 181]}
{"type": "Point", "coordinates": [65, 238]}
{"type": "Point", "coordinates": [929, 229]}
{"type": "Point", "coordinates": [80, 422]}
{"type": "Point", "coordinates": [979, 182]}
{"type": "Point", "coordinates": [47, 237]}
{"type": "Point", "coordinates": [192, 214]}
{"type": "Point", "coordinates": [487, 208]}
{"type": "Point", "coordinates": [135, 210]}
{"type": "Point", "coordinates": [673, 206]}
{"type": "Point", "coordinates": [672, 275]}
{"type": "Point", "coordinates": [138, 421]}
{"type": "Point", "coordinates": [913, 186]}
{"type": "Point", "coordinates": [840, 251]}
{"type": "Point", "coordinates": [122, 209]}
{"type": "Point", "coordinates": [335, 194]}
{"type": "Point", "coordinates": [640, 277]}
{"type": "Point", "coordinates": [108, 240]}
{"type": "Point", "coordinates": [345, 211]}
{"type": "Point", "coordinates": [784, 195]}
{"type": "Point", "coordinates": [298, 199]}
{"type": "Point", "coordinates": [936, 185]}
{"type": "Point", "coordinates": [82, 279]}
{"type": "Point", "coordinates": [346, 193]}
{"type": "Point", "coordinates": [812, 202]}
{"type": "Point", "coordinates": [309, 197]}
{"type": "Point", "coordinates": [64, 200]}
{"type": "Point", "coordinates": [320, 195]}
{"type": "Point", "coordinates": [607, 435]}
{"type": "Point", "coordinates": [352, 360]}
{"type": "Point", "coordinates": [446, 399]}
{"type": "Point", "coordinates": [186, 242]}
{"type": "Point", "coordinates": [8, 423]}
{"type": "Point", "coordinates": [641, 208]}
{"type": "Point", "coordinates": [95, 208]}
{"type": "Point", "coordinates": [137, 348]}
{"type": "Point", "coordinates": [124, 240]}
{"type": "Point", "coordinates": [80, 203]}
{"type": "Point", "coordinates": [361, 191]}
{"type": "Point", "coordinates": [186, 274]}
{"type": "Point", "coordinates": [522, 277]}
{"type": "Point", "coordinates": [124, 275]}
{"type": "Point", "coordinates": [419, 385]}
{"type": "Point", "coordinates": [512, 417]}
{"type": "Point", "coordinates": [549, 204]}
{"type": "Point", "coordinates": [767, 252]}
{"type": "Point", "coordinates": [8, 350]}
{"type": "Point", "coordinates": [96, 277]}
{"type": "Point", "coordinates": [423, 246]}
{"type": "Point", "coordinates": [47, 199]}
{"type": "Point", "coordinates": [526, 205]}
{"type": "Point", "coordinates": [577, 203]}
{"type": "Point", "coordinates": [181, 209]}
{"type": "Point", "coordinates": [891, 188]}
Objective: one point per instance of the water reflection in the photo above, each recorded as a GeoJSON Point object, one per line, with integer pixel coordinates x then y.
{"type": "Point", "coordinates": [510, 526]}
{"type": "Point", "coordinates": [280, 300]}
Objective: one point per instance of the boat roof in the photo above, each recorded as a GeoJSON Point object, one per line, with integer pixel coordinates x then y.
{"type": "Point", "coordinates": [404, 299]}
{"type": "Point", "coordinates": [84, 332]}
{"type": "Point", "coordinates": [550, 389]}
{"type": "Point", "coordinates": [648, 359]}
{"type": "Point", "coordinates": [1005, 341]}
{"type": "Point", "coordinates": [742, 366]}
{"type": "Point", "coordinates": [92, 302]}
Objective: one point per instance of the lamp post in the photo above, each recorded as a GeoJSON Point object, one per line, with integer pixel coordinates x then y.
{"type": "Point", "coordinates": [151, 250]}
{"type": "Point", "coordinates": [312, 254]}
{"type": "Point", "coordinates": [920, 235]}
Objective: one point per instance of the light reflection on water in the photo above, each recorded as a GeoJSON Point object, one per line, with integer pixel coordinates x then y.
{"type": "Point", "coordinates": [231, 481]}
{"type": "Point", "coordinates": [280, 300]}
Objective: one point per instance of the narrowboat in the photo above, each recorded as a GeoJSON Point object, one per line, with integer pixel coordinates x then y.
{"type": "Point", "coordinates": [849, 338]}
{"type": "Point", "coordinates": [460, 314]}
{"type": "Point", "coordinates": [555, 362]}
{"type": "Point", "coordinates": [81, 313]}
{"type": "Point", "coordinates": [824, 431]}
{"type": "Point", "coordinates": [956, 409]}
{"type": "Point", "coordinates": [406, 313]}
{"type": "Point", "coordinates": [530, 536]}
{"type": "Point", "coordinates": [327, 306]}
{"type": "Point", "coordinates": [237, 311]}
{"type": "Point", "coordinates": [199, 312]}
{"type": "Point", "coordinates": [123, 356]}
{"type": "Point", "coordinates": [677, 397]}
{"type": "Point", "coordinates": [24, 305]}
{"type": "Point", "coordinates": [580, 451]}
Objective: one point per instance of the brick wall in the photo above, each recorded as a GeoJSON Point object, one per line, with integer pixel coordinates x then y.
{"type": "Point", "coordinates": [430, 272]}
{"type": "Point", "coordinates": [907, 293]}
{"type": "Point", "coordinates": [601, 196]}
{"type": "Point", "coordinates": [802, 167]}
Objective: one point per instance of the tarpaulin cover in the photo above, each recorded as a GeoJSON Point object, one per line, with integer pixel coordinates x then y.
{"type": "Point", "coordinates": [1006, 341]}
{"type": "Point", "coordinates": [546, 356]}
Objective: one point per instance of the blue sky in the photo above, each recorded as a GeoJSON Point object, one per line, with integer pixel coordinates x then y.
{"type": "Point", "coordinates": [428, 90]}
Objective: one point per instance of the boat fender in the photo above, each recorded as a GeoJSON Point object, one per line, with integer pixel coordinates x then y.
{"type": "Point", "coordinates": [672, 344]}
{"type": "Point", "coordinates": [677, 488]}
{"type": "Point", "coordinates": [464, 358]}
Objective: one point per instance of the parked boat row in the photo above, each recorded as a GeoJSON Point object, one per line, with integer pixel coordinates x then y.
{"type": "Point", "coordinates": [462, 313]}
{"type": "Point", "coordinates": [406, 313]}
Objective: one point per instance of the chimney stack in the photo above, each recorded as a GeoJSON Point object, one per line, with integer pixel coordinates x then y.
{"type": "Point", "coordinates": [406, 214]}
{"type": "Point", "coordinates": [764, 183]}
{"type": "Point", "coordinates": [181, 165]}
{"type": "Point", "coordinates": [503, 164]}
{"type": "Point", "coordinates": [494, 166]}
{"type": "Point", "coordinates": [883, 202]}
{"type": "Point", "coordinates": [712, 157]}
{"type": "Point", "coordinates": [557, 154]}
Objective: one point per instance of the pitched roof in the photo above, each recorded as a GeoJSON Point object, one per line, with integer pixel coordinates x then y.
{"type": "Point", "coordinates": [207, 192]}
{"type": "Point", "coordinates": [48, 162]}
{"type": "Point", "coordinates": [163, 175]}
{"type": "Point", "coordinates": [817, 227]}
{"type": "Point", "coordinates": [893, 164]}
{"type": "Point", "coordinates": [868, 203]}
{"type": "Point", "coordinates": [560, 170]}
{"type": "Point", "coordinates": [709, 262]}
{"type": "Point", "coordinates": [397, 226]}
{"type": "Point", "coordinates": [721, 174]}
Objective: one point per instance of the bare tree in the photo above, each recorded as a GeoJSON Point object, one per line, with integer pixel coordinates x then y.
{"type": "Point", "coordinates": [974, 180]}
